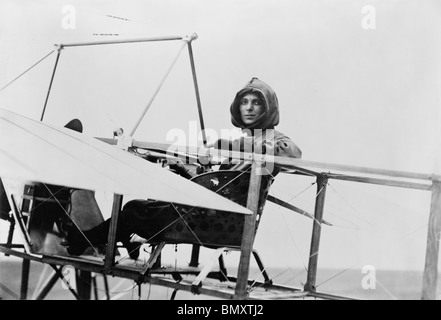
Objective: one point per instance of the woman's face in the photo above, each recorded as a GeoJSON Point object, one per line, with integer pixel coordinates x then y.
{"type": "Point", "coordinates": [251, 108]}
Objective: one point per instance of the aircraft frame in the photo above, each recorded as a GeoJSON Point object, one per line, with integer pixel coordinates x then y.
{"type": "Point", "coordinates": [152, 273]}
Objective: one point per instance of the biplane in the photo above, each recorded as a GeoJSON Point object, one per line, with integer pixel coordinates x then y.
{"type": "Point", "coordinates": [50, 173]}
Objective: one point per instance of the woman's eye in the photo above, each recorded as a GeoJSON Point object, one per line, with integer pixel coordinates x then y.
{"type": "Point", "coordinates": [243, 102]}
{"type": "Point", "coordinates": [257, 102]}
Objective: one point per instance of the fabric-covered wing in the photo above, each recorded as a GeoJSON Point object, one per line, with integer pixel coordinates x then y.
{"type": "Point", "coordinates": [35, 151]}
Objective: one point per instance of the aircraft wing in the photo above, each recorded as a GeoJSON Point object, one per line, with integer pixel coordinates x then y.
{"type": "Point", "coordinates": [36, 151]}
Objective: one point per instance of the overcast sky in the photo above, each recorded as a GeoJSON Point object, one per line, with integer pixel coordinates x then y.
{"type": "Point", "coordinates": [352, 90]}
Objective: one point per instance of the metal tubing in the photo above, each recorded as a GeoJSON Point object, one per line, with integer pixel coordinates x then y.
{"type": "Point", "coordinates": [61, 276]}
{"type": "Point", "coordinates": [51, 82]}
{"type": "Point", "coordinates": [153, 39]}
{"type": "Point", "coordinates": [198, 98]}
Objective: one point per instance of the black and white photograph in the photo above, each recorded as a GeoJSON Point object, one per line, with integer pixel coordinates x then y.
{"type": "Point", "coordinates": [220, 150]}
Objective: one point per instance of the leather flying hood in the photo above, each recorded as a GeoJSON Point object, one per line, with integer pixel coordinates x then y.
{"type": "Point", "coordinates": [269, 119]}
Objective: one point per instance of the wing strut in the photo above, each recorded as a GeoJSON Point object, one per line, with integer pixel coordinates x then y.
{"type": "Point", "coordinates": [249, 231]}
{"type": "Point", "coordinates": [51, 82]}
{"type": "Point", "coordinates": [322, 182]}
{"type": "Point", "coordinates": [430, 278]}
{"type": "Point", "coordinates": [196, 89]}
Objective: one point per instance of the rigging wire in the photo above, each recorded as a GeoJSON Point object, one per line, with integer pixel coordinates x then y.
{"type": "Point", "coordinates": [335, 276]}
{"type": "Point", "coordinates": [34, 65]}
{"type": "Point", "coordinates": [119, 293]}
{"type": "Point", "coordinates": [293, 240]}
{"type": "Point", "coordinates": [359, 216]}
{"type": "Point", "coordinates": [385, 289]}
{"type": "Point", "coordinates": [400, 237]}
{"type": "Point", "coordinates": [9, 292]}
{"type": "Point", "coordinates": [40, 281]}
{"type": "Point", "coordinates": [191, 230]}
{"type": "Point", "coordinates": [43, 201]}
{"type": "Point", "coordinates": [375, 227]}
{"type": "Point", "coordinates": [286, 224]}
{"type": "Point", "coordinates": [287, 281]}
{"type": "Point", "coordinates": [67, 214]}
{"type": "Point", "coordinates": [318, 193]}
{"type": "Point", "coordinates": [179, 218]}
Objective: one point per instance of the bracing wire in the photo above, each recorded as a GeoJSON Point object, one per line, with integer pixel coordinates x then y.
{"type": "Point", "coordinates": [67, 214]}
{"type": "Point", "coordinates": [23, 73]}
{"type": "Point", "coordinates": [9, 291]}
{"type": "Point", "coordinates": [180, 217]}
{"type": "Point", "coordinates": [359, 216]}
{"type": "Point", "coordinates": [374, 227]}
{"type": "Point", "coordinates": [335, 276]}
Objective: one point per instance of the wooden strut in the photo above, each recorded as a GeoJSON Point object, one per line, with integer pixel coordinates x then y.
{"type": "Point", "coordinates": [61, 276]}
{"type": "Point", "coordinates": [198, 98]}
{"type": "Point", "coordinates": [109, 260]}
{"type": "Point", "coordinates": [84, 284]}
{"type": "Point", "coordinates": [430, 277]}
{"type": "Point", "coordinates": [322, 182]}
{"type": "Point", "coordinates": [196, 248]}
{"type": "Point", "coordinates": [47, 286]}
{"type": "Point", "coordinates": [26, 265]}
{"type": "Point", "coordinates": [249, 231]}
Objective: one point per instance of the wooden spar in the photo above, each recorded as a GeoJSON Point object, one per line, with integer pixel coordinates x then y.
{"type": "Point", "coordinates": [50, 83]}
{"type": "Point", "coordinates": [111, 240]}
{"type": "Point", "coordinates": [196, 89]}
{"type": "Point", "coordinates": [287, 162]}
{"type": "Point", "coordinates": [430, 277]}
{"type": "Point", "coordinates": [322, 182]}
{"type": "Point", "coordinates": [24, 279]}
{"type": "Point", "coordinates": [249, 231]}
{"type": "Point", "coordinates": [382, 182]}
{"type": "Point", "coordinates": [155, 93]}
{"type": "Point", "coordinates": [95, 43]}
{"type": "Point", "coordinates": [293, 163]}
